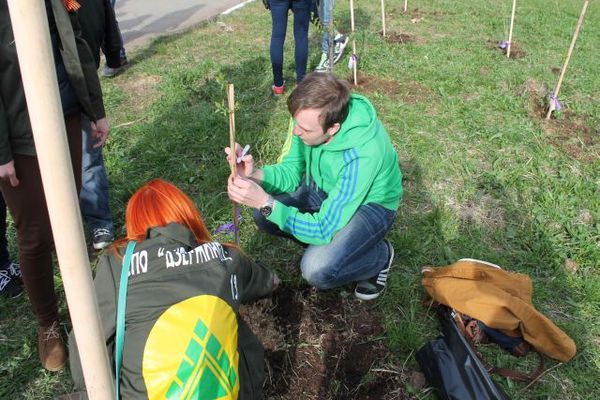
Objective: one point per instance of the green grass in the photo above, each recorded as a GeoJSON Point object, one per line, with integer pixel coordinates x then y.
{"type": "Point", "coordinates": [484, 176]}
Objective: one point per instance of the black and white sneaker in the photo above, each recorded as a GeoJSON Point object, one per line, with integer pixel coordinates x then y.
{"type": "Point", "coordinates": [102, 238]}
{"type": "Point", "coordinates": [373, 287]}
{"type": "Point", "coordinates": [340, 43]}
{"type": "Point", "coordinates": [11, 285]}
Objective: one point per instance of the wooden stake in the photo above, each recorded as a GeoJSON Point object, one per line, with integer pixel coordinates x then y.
{"type": "Point", "coordinates": [510, 31]}
{"type": "Point", "coordinates": [383, 16]}
{"type": "Point", "coordinates": [331, 29]}
{"type": "Point", "coordinates": [564, 68]}
{"type": "Point", "coordinates": [355, 60]}
{"type": "Point", "coordinates": [405, 5]}
{"type": "Point", "coordinates": [233, 153]}
{"type": "Point", "coordinates": [32, 42]}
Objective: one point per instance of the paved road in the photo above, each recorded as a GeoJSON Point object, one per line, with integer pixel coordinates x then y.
{"type": "Point", "coordinates": [143, 20]}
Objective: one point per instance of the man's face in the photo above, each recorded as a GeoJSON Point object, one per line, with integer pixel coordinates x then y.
{"type": "Point", "coordinates": [308, 127]}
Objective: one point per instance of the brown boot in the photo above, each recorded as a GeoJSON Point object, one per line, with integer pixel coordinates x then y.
{"type": "Point", "coordinates": [51, 348]}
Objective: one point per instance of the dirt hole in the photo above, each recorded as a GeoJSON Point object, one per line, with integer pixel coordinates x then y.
{"type": "Point", "coordinates": [565, 129]}
{"type": "Point", "coordinates": [516, 51]}
{"type": "Point", "coordinates": [411, 92]}
{"type": "Point", "coordinates": [398, 38]}
{"type": "Point", "coordinates": [324, 345]}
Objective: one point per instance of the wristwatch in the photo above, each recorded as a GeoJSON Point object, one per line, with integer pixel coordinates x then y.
{"type": "Point", "coordinates": [267, 208]}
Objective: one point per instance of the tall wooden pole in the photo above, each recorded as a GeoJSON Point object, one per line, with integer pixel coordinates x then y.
{"type": "Point", "coordinates": [405, 5]}
{"type": "Point", "coordinates": [32, 41]}
{"type": "Point", "coordinates": [564, 68]}
{"type": "Point", "coordinates": [233, 154]}
{"type": "Point", "coordinates": [510, 31]}
{"type": "Point", "coordinates": [331, 39]}
{"type": "Point", "coordinates": [383, 17]}
{"type": "Point", "coordinates": [354, 56]}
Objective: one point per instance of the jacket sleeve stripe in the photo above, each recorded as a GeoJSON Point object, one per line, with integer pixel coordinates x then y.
{"type": "Point", "coordinates": [333, 215]}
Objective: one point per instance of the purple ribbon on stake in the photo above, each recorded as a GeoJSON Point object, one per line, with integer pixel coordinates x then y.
{"type": "Point", "coordinates": [229, 227]}
{"type": "Point", "coordinates": [554, 102]}
{"type": "Point", "coordinates": [352, 61]}
{"type": "Point", "coordinates": [503, 44]}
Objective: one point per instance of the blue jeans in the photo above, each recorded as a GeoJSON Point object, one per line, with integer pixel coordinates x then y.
{"type": "Point", "coordinates": [93, 198]}
{"type": "Point", "coordinates": [357, 252]}
{"type": "Point", "coordinates": [279, 18]}
{"type": "Point", "coordinates": [326, 15]}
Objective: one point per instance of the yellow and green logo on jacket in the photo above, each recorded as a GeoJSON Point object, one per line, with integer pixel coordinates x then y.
{"type": "Point", "coordinates": [191, 352]}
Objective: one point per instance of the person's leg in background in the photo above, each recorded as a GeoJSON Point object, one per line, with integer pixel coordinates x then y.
{"type": "Point", "coordinates": [301, 9]}
{"type": "Point", "coordinates": [108, 71]}
{"type": "Point", "coordinates": [279, 18]}
{"type": "Point", "coordinates": [93, 197]}
{"type": "Point", "coordinates": [27, 205]}
{"type": "Point", "coordinates": [11, 285]}
{"type": "Point", "coordinates": [339, 41]}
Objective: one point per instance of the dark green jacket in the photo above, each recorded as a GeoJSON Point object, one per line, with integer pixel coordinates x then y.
{"type": "Point", "coordinates": [182, 316]}
{"type": "Point", "coordinates": [15, 129]}
{"type": "Point", "coordinates": [100, 29]}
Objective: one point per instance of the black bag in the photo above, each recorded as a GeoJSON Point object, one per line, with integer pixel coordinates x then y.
{"type": "Point", "coordinates": [451, 366]}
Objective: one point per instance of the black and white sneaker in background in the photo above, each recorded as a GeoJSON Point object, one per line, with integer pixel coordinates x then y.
{"type": "Point", "coordinates": [11, 285]}
{"type": "Point", "coordinates": [102, 238]}
{"type": "Point", "coordinates": [373, 287]}
{"type": "Point", "coordinates": [340, 43]}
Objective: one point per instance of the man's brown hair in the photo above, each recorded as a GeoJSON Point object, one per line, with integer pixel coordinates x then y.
{"type": "Point", "coordinates": [322, 91]}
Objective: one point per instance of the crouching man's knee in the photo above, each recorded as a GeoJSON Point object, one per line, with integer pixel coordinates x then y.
{"type": "Point", "coordinates": [317, 273]}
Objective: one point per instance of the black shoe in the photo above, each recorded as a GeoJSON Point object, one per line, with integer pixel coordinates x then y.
{"type": "Point", "coordinates": [373, 287]}
{"type": "Point", "coordinates": [102, 238]}
{"type": "Point", "coordinates": [10, 286]}
{"type": "Point", "coordinates": [109, 72]}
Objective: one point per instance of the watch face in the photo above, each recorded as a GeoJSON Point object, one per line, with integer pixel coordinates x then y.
{"type": "Point", "coordinates": [266, 210]}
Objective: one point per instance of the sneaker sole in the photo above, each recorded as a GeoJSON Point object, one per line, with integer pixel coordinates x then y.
{"type": "Point", "coordinates": [366, 297]}
{"type": "Point", "coordinates": [101, 245]}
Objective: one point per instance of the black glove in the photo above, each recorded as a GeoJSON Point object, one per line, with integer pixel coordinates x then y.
{"type": "Point", "coordinates": [266, 4]}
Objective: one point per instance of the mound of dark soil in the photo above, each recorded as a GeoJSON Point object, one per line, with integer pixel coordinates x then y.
{"type": "Point", "coordinates": [323, 345]}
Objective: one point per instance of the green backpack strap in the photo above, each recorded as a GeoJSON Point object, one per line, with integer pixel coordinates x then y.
{"type": "Point", "coordinates": [121, 307]}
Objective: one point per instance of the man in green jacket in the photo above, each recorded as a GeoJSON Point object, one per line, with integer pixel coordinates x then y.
{"type": "Point", "coordinates": [336, 188]}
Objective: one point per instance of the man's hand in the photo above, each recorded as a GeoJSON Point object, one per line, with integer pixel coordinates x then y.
{"type": "Point", "coordinates": [100, 132]}
{"type": "Point", "coordinates": [244, 191]}
{"type": "Point", "coordinates": [245, 168]}
{"type": "Point", "coordinates": [7, 172]}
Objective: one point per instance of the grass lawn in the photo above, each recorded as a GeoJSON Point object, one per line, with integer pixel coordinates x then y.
{"type": "Point", "coordinates": [484, 175]}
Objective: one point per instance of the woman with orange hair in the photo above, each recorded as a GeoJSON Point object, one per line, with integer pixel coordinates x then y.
{"type": "Point", "coordinates": [184, 337]}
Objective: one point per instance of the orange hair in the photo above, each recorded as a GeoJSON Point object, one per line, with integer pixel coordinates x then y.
{"type": "Point", "coordinates": [159, 203]}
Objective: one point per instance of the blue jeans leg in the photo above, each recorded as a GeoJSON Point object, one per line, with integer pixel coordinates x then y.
{"type": "Point", "coordinates": [357, 252]}
{"type": "Point", "coordinates": [301, 9]}
{"type": "Point", "coordinates": [325, 15]}
{"type": "Point", "coordinates": [279, 18]}
{"type": "Point", "coordinates": [93, 197]}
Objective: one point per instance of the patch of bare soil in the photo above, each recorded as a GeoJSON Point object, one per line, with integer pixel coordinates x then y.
{"type": "Point", "coordinates": [401, 38]}
{"type": "Point", "coordinates": [411, 92]}
{"type": "Point", "coordinates": [416, 13]}
{"type": "Point", "coordinates": [374, 84]}
{"type": "Point", "coordinates": [516, 51]}
{"type": "Point", "coordinates": [486, 211]}
{"type": "Point", "coordinates": [322, 345]}
{"type": "Point", "coordinates": [566, 130]}
{"type": "Point", "coordinates": [140, 90]}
